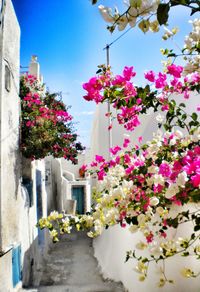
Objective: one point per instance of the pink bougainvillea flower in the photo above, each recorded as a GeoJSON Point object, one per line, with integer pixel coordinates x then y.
{"type": "Point", "coordinates": [93, 164]}
{"type": "Point", "coordinates": [130, 169]}
{"type": "Point", "coordinates": [110, 127]}
{"type": "Point", "coordinates": [175, 70]}
{"type": "Point", "coordinates": [165, 107]}
{"type": "Point", "coordinates": [158, 188]}
{"type": "Point", "coordinates": [117, 159]}
{"type": "Point", "coordinates": [150, 76]}
{"type": "Point", "coordinates": [119, 80]}
{"type": "Point", "coordinates": [99, 158]}
{"type": "Point", "coordinates": [128, 73]}
{"type": "Point", "coordinates": [186, 94]}
{"type": "Point", "coordinates": [140, 139]}
{"type": "Point", "coordinates": [196, 180]}
{"type": "Point", "coordinates": [112, 163]}
{"type": "Point", "coordinates": [165, 169]}
{"type": "Point", "coordinates": [139, 100]}
{"type": "Point", "coordinates": [30, 123]}
{"type": "Point", "coordinates": [84, 167]}
{"type": "Point", "coordinates": [101, 174]}
{"type": "Point", "coordinates": [149, 237]}
{"type": "Point", "coordinates": [92, 84]}
{"type": "Point", "coordinates": [115, 150]}
{"type": "Point", "coordinates": [160, 81]}
{"type": "Point", "coordinates": [129, 90]}
{"type": "Point", "coordinates": [126, 142]}
{"type": "Point", "coordinates": [163, 234]}
{"type": "Point", "coordinates": [127, 159]}
{"type": "Point", "coordinates": [132, 124]}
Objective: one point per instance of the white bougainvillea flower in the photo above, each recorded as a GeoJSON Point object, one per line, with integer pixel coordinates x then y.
{"type": "Point", "coordinates": [171, 191]}
{"type": "Point", "coordinates": [182, 179]}
{"type": "Point", "coordinates": [106, 13]}
{"type": "Point", "coordinates": [159, 118]}
{"type": "Point", "coordinates": [122, 22]}
{"type": "Point", "coordinates": [133, 228]}
{"type": "Point", "coordinates": [154, 201]}
{"type": "Point", "coordinates": [187, 273]}
{"type": "Point", "coordinates": [141, 245]}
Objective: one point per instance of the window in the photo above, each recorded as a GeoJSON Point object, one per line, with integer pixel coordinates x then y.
{"type": "Point", "coordinates": [7, 78]}
{"type": "Point", "coordinates": [16, 265]}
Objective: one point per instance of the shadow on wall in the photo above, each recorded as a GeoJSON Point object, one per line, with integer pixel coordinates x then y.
{"type": "Point", "coordinates": [34, 260]}
{"type": "Point", "coordinates": [17, 168]}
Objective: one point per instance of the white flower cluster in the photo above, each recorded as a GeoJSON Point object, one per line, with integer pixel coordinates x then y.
{"type": "Point", "coordinates": [136, 8]}
{"type": "Point", "coordinates": [193, 38]}
{"type": "Point", "coordinates": [192, 42]}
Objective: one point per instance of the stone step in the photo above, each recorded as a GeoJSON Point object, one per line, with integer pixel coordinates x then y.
{"type": "Point", "coordinates": [72, 288]}
{"type": "Point", "coordinates": [70, 266]}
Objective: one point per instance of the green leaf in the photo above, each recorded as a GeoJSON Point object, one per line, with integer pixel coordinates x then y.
{"type": "Point", "coordinates": [163, 13]}
{"type": "Point", "coordinates": [145, 260]}
{"type": "Point", "coordinates": [99, 71]}
{"type": "Point", "coordinates": [134, 220]}
{"type": "Point", "coordinates": [184, 117]}
{"type": "Point", "coordinates": [174, 2]}
{"type": "Point", "coordinates": [127, 258]}
{"type": "Point", "coordinates": [185, 254]}
{"type": "Point", "coordinates": [171, 55]}
{"type": "Point", "coordinates": [194, 117]}
{"type": "Point", "coordinates": [196, 228]}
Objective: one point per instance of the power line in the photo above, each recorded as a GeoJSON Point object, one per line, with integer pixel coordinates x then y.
{"type": "Point", "coordinates": [109, 45]}
{"type": "Point", "coordinates": [123, 34]}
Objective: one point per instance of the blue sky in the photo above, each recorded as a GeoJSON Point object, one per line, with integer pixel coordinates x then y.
{"type": "Point", "coordinates": [68, 37]}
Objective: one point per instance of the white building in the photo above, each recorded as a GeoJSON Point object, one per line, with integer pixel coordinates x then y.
{"type": "Point", "coordinates": [67, 191]}
{"type": "Point", "coordinates": [22, 186]}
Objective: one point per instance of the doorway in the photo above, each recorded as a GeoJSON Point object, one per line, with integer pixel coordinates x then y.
{"type": "Point", "coordinates": [78, 195]}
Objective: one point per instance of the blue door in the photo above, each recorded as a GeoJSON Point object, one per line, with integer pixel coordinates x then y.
{"type": "Point", "coordinates": [78, 195]}
{"type": "Point", "coordinates": [39, 205]}
{"type": "Point", "coordinates": [16, 265]}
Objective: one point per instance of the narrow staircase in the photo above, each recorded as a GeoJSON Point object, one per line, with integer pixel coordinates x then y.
{"type": "Point", "coordinates": [71, 267]}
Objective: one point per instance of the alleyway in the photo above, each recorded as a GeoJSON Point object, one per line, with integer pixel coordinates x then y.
{"type": "Point", "coordinates": [71, 267]}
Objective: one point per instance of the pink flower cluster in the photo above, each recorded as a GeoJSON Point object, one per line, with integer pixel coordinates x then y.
{"type": "Point", "coordinates": [177, 84]}
{"type": "Point", "coordinates": [129, 100]}
{"type": "Point", "coordinates": [129, 117]}
{"type": "Point", "coordinates": [42, 112]}
{"type": "Point", "coordinates": [116, 88]}
{"type": "Point", "coordinates": [96, 85]}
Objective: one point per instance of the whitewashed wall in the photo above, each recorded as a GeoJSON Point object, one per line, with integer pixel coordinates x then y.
{"type": "Point", "coordinates": [10, 109]}
{"type": "Point", "coordinates": [17, 220]}
{"type": "Point", "coordinates": [110, 248]}
{"type": "Point", "coordinates": [73, 168]}
{"type": "Point", "coordinates": [10, 198]}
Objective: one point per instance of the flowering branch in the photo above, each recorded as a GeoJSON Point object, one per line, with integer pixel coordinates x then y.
{"type": "Point", "coordinates": [144, 10]}
{"type": "Point", "coordinates": [46, 125]}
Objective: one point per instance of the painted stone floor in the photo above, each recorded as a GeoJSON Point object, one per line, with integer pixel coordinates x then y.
{"type": "Point", "coordinates": [71, 267]}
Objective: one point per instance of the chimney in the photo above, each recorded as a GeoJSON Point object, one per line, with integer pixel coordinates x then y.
{"type": "Point", "coordinates": [34, 67]}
